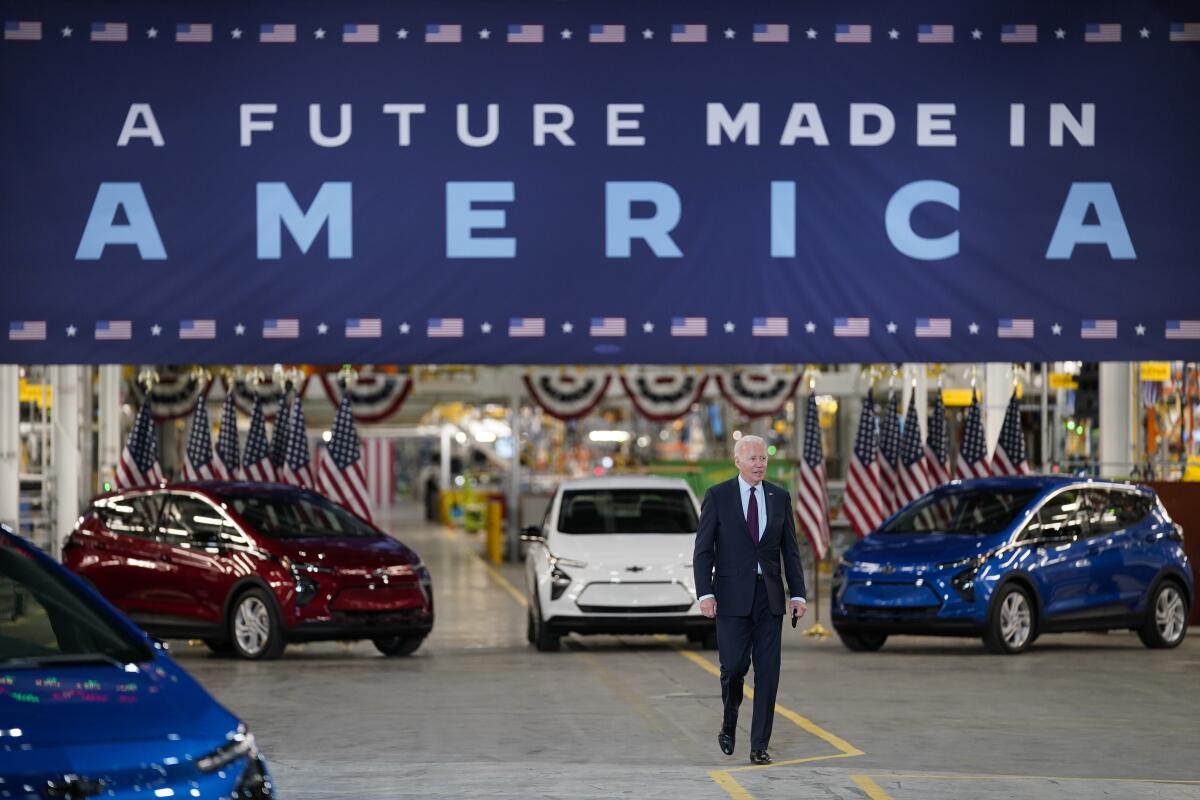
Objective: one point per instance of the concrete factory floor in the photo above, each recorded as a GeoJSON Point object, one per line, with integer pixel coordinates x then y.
{"type": "Point", "coordinates": [477, 713]}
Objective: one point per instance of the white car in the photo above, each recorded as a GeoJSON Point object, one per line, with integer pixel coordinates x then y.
{"type": "Point", "coordinates": [614, 555]}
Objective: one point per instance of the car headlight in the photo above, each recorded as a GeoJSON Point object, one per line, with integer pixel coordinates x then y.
{"type": "Point", "coordinates": [964, 581]}
{"type": "Point", "coordinates": [969, 561]}
{"type": "Point", "coordinates": [241, 743]}
{"type": "Point", "coordinates": [559, 581]}
{"type": "Point", "coordinates": [558, 561]}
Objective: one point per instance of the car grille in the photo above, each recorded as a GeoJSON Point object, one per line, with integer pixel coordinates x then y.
{"type": "Point", "coordinates": [875, 612]}
{"type": "Point", "coordinates": [635, 609]}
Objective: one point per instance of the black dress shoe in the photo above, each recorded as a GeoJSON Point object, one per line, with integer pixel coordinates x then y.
{"type": "Point", "coordinates": [760, 757]}
{"type": "Point", "coordinates": [726, 739]}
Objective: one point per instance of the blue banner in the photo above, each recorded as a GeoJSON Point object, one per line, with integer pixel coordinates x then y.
{"type": "Point", "coordinates": [668, 182]}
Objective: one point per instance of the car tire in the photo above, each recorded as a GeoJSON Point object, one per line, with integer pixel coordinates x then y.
{"type": "Point", "coordinates": [707, 641]}
{"type": "Point", "coordinates": [529, 634]}
{"type": "Point", "coordinates": [1166, 617]}
{"type": "Point", "coordinates": [866, 642]}
{"type": "Point", "coordinates": [544, 640]}
{"type": "Point", "coordinates": [1012, 623]}
{"type": "Point", "coordinates": [220, 647]}
{"type": "Point", "coordinates": [398, 645]}
{"type": "Point", "coordinates": [255, 629]}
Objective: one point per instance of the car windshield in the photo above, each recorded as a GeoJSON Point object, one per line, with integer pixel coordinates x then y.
{"type": "Point", "coordinates": [966, 511]}
{"type": "Point", "coordinates": [297, 515]}
{"type": "Point", "coordinates": [627, 511]}
{"type": "Point", "coordinates": [44, 619]}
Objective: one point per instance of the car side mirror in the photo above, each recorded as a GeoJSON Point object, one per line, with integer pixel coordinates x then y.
{"type": "Point", "coordinates": [532, 534]}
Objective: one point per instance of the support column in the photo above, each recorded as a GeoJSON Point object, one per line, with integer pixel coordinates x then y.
{"type": "Point", "coordinates": [1045, 417]}
{"type": "Point", "coordinates": [997, 389]}
{"type": "Point", "coordinates": [1116, 407]}
{"type": "Point", "coordinates": [64, 437]}
{"type": "Point", "coordinates": [10, 446]}
{"type": "Point", "coordinates": [109, 416]}
{"type": "Point", "coordinates": [514, 480]}
{"type": "Point", "coordinates": [444, 483]}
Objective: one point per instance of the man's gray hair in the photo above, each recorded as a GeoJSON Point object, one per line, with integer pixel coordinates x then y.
{"type": "Point", "coordinates": [741, 443]}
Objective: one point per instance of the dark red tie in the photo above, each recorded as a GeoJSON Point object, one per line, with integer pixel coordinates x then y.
{"type": "Point", "coordinates": [752, 516]}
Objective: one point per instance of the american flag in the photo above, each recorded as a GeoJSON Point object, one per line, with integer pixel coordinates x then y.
{"type": "Point", "coordinates": [110, 31]}
{"type": "Point", "coordinates": [972, 455]}
{"type": "Point", "coordinates": [689, 326]}
{"type": "Point", "coordinates": [1101, 32]}
{"type": "Point", "coordinates": [852, 34]}
{"type": "Point", "coordinates": [444, 328]}
{"type": "Point", "coordinates": [443, 34]}
{"type": "Point", "coordinates": [108, 330]}
{"type": "Point", "coordinates": [277, 34]}
{"type": "Point", "coordinates": [914, 473]}
{"type": "Point", "coordinates": [527, 326]}
{"type": "Point", "coordinates": [889, 455]}
{"type": "Point", "coordinates": [380, 470]}
{"type": "Point", "coordinates": [360, 34]}
{"type": "Point", "coordinates": [295, 469]}
{"type": "Point", "coordinates": [30, 330]}
{"type": "Point", "coordinates": [606, 34]}
{"type": "Point", "coordinates": [226, 465]}
{"type": "Point", "coordinates": [812, 503]}
{"type": "Point", "coordinates": [689, 34]}
{"type": "Point", "coordinates": [1009, 458]}
{"type": "Point", "coordinates": [769, 326]}
{"type": "Point", "coordinates": [256, 462]}
{"type": "Point", "coordinates": [198, 458]}
{"type": "Point", "coordinates": [1015, 329]}
{"type": "Point", "coordinates": [525, 34]}
{"type": "Point", "coordinates": [1176, 329]}
{"type": "Point", "coordinates": [863, 503]}
{"type": "Point", "coordinates": [193, 32]}
{"type": "Point", "coordinates": [608, 326]}
{"type": "Point", "coordinates": [1184, 32]}
{"type": "Point", "coordinates": [281, 328]}
{"type": "Point", "coordinates": [1098, 329]}
{"type": "Point", "coordinates": [851, 326]}
{"type": "Point", "coordinates": [1018, 34]}
{"type": "Point", "coordinates": [197, 329]}
{"type": "Point", "coordinates": [281, 431]}
{"type": "Point", "coordinates": [20, 31]}
{"type": "Point", "coordinates": [937, 450]}
{"type": "Point", "coordinates": [339, 471]}
{"type": "Point", "coordinates": [935, 34]}
{"type": "Point", "coordinates": [773, 33]}
{"type": "Point", "coordinates": [933, 328]}
{"type": "Point", "coordinates": [139, 465]}
{"type": "Point", "coordinates": [370, 328]}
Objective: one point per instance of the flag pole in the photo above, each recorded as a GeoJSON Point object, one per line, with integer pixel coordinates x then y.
{"type": "Point", "coordinates": [817, 630]}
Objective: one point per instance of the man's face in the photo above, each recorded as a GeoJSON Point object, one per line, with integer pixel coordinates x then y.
{"type": "Point", "coordinates": [752, 462]}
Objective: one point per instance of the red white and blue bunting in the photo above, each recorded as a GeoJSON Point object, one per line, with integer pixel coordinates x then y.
{"type": "Point", "coordinates": [757, 393]}
{"type": "Point", "coordinates": [374, 396]}
{"type": "Point", "coordinates": [663, 394]}
{"type": "Point", "coordinates": [567, 395]}
{"type": "Point", "coordinates": [174, 395]}
{"type": "Point", "coordinates": [269, 391]}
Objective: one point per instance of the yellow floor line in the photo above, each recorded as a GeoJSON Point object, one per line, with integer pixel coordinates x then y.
{"type": "Point", "coordinates": [732, 788]}
{"type": "Point", "coordinates": [873, 789]}
{"type": "Point", "coordinates": [939, 777]}
{"type": "Point", "coordinates": [791, 762]}
{"type": "Point", "coordinates": [505, 584]}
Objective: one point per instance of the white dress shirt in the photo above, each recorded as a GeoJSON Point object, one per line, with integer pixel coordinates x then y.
{"type": "Point", "coordinates": [760, 497]}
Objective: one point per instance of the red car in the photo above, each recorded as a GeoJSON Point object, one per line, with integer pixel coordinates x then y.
{"type": "Point", "coordinates": [249, 567]}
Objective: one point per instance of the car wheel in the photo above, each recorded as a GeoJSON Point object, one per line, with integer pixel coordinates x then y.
{"type": "Point", "coordinates": [221, 647]}
{"type": "Point", "coordinates": [1010, 627]}
{"type": "Point", "coordinates": [254, 626]}
{"type": "Point", "coordinates": [398, 645]}
{"type": "Point", "coordinates": [544, 640]}
{"type": "Point", "coordinates": [529, 634]}
{"type": "Point", "coordinates": [1166, 617]}
{"type": "Point", "coordinates": [867, 642]}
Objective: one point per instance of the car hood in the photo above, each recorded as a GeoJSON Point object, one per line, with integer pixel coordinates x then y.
{"type": "Point", "coordinates": [626, 550]}
{"type": "Point", "coordinates": [920, 548]}
{"type": "Point", "coordinates": [83, 706]}
{"type": "Point", "coordinates": [375, 551]}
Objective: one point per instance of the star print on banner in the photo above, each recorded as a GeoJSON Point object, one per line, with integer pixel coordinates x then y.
{"type": "Point", "coordinates": [339, 466]}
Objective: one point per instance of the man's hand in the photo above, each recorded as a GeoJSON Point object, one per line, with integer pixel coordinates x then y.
{"type": "Point", "coordinates": [708, 607]}
{"type": "Point", "coordinates": [798, 607]}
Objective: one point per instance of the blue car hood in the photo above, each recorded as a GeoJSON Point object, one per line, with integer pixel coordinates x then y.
{"type": "Point", "coordinates": [921, 548]}
{"type": "Point", "coordinates": [66, 706]}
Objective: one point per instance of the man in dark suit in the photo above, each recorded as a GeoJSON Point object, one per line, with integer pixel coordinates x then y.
{"type": "Point", "coordinates": [747, 536]}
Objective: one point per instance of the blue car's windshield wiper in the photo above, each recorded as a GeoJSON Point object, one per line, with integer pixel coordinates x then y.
{"type": "Point", "coordinates": [61, 659]}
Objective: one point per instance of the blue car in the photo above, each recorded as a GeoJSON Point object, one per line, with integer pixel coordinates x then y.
{"type": "Point", "coordinates": [91, 706]}
{"type": "Point", "coordinates": [1011, 558]}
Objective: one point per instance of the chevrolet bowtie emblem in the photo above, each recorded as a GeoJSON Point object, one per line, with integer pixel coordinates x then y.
{"type": "Point", "coordinates": [887, 569]}
{"type": "Point", "coordinates": [635, 569]}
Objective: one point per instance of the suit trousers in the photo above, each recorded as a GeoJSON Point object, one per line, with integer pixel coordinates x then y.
{"type": "Point", "coordinates": [740, 640]}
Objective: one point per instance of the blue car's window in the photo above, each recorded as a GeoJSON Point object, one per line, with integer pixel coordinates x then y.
{"type": "Point", "coordinates": [297, 515]}
{"type": "Point", "coordinates": [968, 511]}
{"type": "Point", "coordinates": [45, 619]}
{"type": "Point", "coordinates": [1063, 516]}
{"type": "Point", "coordinates": [1112, 510]}
{"type": "Point", "coordinates": [627, 511]}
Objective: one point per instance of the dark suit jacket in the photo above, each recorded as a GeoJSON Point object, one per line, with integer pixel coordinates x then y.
{"type": "Point", "coordinates": [726, 558]}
